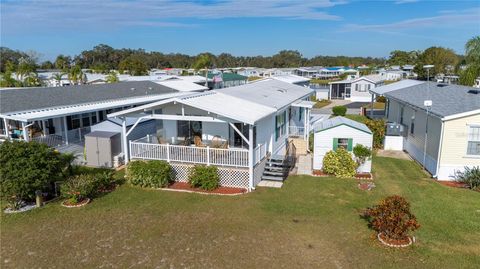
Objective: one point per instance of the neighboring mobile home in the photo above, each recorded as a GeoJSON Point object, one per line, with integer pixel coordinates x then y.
{"type": "Point", "coordinates": [339, 132]}
{"type": "Point", "coordinates": [355, 90]}
{"type": "Point", "coordinates": [235, 128]}
{"type": "Point", "coordinates": [445, 136]}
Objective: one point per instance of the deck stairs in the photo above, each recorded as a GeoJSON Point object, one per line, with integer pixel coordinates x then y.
{"type": "Point", "coordinates": [276, 168]}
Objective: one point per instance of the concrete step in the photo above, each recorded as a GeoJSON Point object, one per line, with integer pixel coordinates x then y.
{"type": "Point", "coordinates": [272, 178]}
{"type": "Point", "coordinates": [273, 173]}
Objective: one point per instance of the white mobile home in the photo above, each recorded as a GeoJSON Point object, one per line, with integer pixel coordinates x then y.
{"type": "Point", "coordinates": [356, 90]}
{"type": "Point", "coordinates": [340, 132]}
{"type": "Point", "coordinates": [235, 128]}
{"type": "Point", "coordinates": [445, 136]}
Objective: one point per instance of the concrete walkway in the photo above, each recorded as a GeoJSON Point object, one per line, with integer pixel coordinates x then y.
{"type": "Point", "coordinates": [304, 165]}
{"type": "Point", "coordinates": [397, 154]}
{"type": "Point", "coordinates": [270, 184]}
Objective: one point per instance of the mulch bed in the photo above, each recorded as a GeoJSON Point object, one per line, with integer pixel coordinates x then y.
{"type": "Point", "coordinates": [320, 173]}
{"type": "Point", "coordinates": [183, 186]}
{"type": "Point", "coordinates": [67, 203]}
{"type": "Point", "coordinates": [453, 184]}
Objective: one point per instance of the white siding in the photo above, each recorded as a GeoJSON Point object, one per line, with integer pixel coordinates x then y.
{"type": "Point", "coordinates": [323, 142]}
{"type": "Point", "coordinates": [362, 94]}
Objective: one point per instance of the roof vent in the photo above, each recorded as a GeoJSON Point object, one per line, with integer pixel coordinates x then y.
{"type": "Point", "coordinates": [282, 91]}
{"type": "Point", "coordinates": [442, 85]}
{"type": "Point", "coordinates": [474, 91]}
{"type": "Point", "coordinates": [132, 89]}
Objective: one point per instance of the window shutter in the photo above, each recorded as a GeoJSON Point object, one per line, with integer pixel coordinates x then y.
{"type": "Point", "coordinates": [350, 142]}
{"type": "Point", "coordinates": [335, 143]}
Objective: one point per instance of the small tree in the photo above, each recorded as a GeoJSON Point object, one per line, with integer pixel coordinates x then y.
{"type": "Point", "coordinates": [362, 153]}
{"type": "Point", "coordinates": [339, 110]}
{"type": "Point", "coordinates": [26, 167]}
{"type": "Point", "coordinates": [470, 176]}
{"type": "Point", "coordinates": [378, 129]}
{"type": "Point", "coordinates": [392, 218]}
{"type": "Point", "coordinates": [339, 163]}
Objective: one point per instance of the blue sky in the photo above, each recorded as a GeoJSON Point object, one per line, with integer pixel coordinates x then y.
{"type": "Point", "coordinates": [239, 27]}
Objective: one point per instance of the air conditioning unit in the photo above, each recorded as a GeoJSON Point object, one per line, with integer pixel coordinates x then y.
{"type": "Point", "coordinates": [395, 129]}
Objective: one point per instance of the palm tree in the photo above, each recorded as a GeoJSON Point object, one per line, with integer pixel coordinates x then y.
{"type": "Point", "coordinates": [112, 77]}
{"type": "Point", "coordinates": [58, 78]}
{"type": "Point", "coordinates": [75, 75]}
{"type": "Point", "coordinates": [203, 61]}
{"type": "Point", "coordinates": [472, 50]}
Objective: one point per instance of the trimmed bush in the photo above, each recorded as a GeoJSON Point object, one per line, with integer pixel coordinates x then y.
{"type": "Point", "coordinates": [469, 176]}
{"type": "Point", "coordinates": [26, 168]}
{"type": "Point", "coordinates": [362, 153]}
{"type": "Point", "coordinates": [339, 163]}
{"type": "Point", "coordinates": [79, 187]}
{"type": "Point", "coordinates": [149, 174]}
{"type": "Point", "coordinates": [378, 129]}
{"type": "Point", "coordinates": [392, 218]}
{"type": "Point", "coordinates": [339, 110]}
{"type": "Point", "coordinates": [204, 177]}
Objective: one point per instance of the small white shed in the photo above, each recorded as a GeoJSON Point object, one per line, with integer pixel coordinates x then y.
{"type": "Point", "coordinates": [340, 132]}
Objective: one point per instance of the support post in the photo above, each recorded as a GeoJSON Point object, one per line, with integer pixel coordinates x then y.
{"type": "Point", "coordinates": [168, 152]}
{"type": "Point", "coordinates": [5, 122]}
{"type": "Point", "coordinates": [125, 140]}
{"type": "Point", "coordinates": [250, 157]}
{"type": "Point", "coordinates": [208, 155]}
{"type": "Point", "coordinates": [25, 133]}
{"type": "Point", "coordinates": [371, 108]}
{"type": "Point", "coordinates": [307, 127]}
{"type": "Point", "coordinates": [65, 129]}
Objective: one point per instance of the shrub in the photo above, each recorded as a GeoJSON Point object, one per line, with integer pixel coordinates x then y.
{"type": "Point", "coordinates": [103, 180]}
{"type": "Point", "coordinates": [26, 167]}
{"type": "Point", "coordinates": [378, 129]}
{"type": "Point", "coordinates": [150, 174]}
{"type": "Point", "coordinates": [362, 153]}
{"type": "Point", "coordinates": [392, 218]}
{"type": "Point", "coordinates": [339, 110]}
{"type": "Point", "coordinates": [79, 187]}
{"type": "Point", "coordinates": [204, 177]}
{"type": "Point", "coordinates": [339, 163]}
{"type": "Point", "coordinates": [470, 176]}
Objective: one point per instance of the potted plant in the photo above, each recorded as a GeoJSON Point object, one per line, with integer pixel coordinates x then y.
{"type": "Point", "coordinates": [393, 221]}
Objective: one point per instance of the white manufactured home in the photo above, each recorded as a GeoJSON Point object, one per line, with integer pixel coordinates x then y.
{"type": "Point", "coordinates": [340, 132]}
{"type": "Point", "coordinates": [355, 90]}
{"type": "Point", "coordinates": [443, 137]}
{"type": "Point", "coordinates": [236, 129]}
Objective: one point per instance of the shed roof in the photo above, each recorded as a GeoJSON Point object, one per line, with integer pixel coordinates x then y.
{"type": "Point", "coordinates": [337, 121]}
{"type": "Point", "coordinates": [448, 100]}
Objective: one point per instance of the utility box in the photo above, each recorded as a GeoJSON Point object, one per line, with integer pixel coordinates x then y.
{"type": "Point", "coordinates": [101, 147]}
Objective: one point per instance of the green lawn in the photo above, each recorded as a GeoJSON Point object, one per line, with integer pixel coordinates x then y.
{"type": "Point", "coordinates": [309, 223]}
{"type": "Point", "coordinates": [355, 117]}
{"type": "Point", "coordinates": [322, 103]}
{"type": "Point", "coordinates": [376, 105]}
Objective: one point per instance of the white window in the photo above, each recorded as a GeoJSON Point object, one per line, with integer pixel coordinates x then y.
{"type": "Point", "coordinates": [473, 147]}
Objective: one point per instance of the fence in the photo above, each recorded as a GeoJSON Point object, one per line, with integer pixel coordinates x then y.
{"type": "Point", "coordinates": [296, 131]}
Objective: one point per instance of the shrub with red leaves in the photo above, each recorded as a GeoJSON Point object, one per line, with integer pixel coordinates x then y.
{"type": "Point", "coordinates": [392, 218]}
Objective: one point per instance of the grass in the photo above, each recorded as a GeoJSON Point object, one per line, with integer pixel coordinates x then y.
{"type": "Point", "coordinates": [309, 223]}
{"type": "Point", "coordinates": [355, 117]}
{"type": "Point", "coordinates": [322, 103]}
{"type": "Point", "coordinates": [376, 105]}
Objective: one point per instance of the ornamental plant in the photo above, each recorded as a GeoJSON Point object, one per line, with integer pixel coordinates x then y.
{"type": "Point", "coordinates": [339, 163]}
{"type": "Point", "coordinates": [392, 218]}
{"type": "Point", "coordinates": [339, 110]}
{"type": "Point", "coordinates": [469, 176]}
{"type": "Point", "coordinates": [26, 167]}
{"type": "Point", "coordinates": [378, 129]}
{"type": "Point", "coordinates": [79, 187]}
{"type": "Point", "coordinates": [149, 174]}
{"type": "Point", "coordinates": [362, 153]}
{"type": "Point", "coordinates": [204, 177]}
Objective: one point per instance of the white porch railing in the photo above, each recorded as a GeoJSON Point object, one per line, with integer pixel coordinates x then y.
{"type": "Point", "coordinates": [189, 154]}
{"type": "Point", "coordinates": [50, 140]}
{"type": "Point", "coordinates": [259, 153]}
{"type": "Point", "coordinates": [75, 136]}
{"type": "Point", "coordinates": [296, 131]}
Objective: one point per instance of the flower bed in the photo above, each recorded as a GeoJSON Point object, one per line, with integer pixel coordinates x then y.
{"type": "Point", "coordinates": [24, 208]}
{"type": "Point", "coordinates": [320, 173]}
{"type": "Point", "coordinates": [454, 184]}
{"type": "Point", "coordinates": [69, 204]}
{"type": "Point", "coordinates": [185, 187]}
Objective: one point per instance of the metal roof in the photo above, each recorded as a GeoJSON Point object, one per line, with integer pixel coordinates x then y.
{"type": "Point", "coordinates": [337, 121]}
{"type": "Point", "coordinates": [291, 78]}
{"type": "Point", "coordinates": [28, 99]}
{"type": "Point", "coordinates": [448, 99]}
{"type": "Point", "coordinates": [182, 85]}
{"type": "Point", "coordinates": [269, 92]}
{"type": "Point", "coordinates": [381, 90]}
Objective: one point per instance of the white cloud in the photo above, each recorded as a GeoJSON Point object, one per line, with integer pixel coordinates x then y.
{"type": "Point", "coordinates": [75, 14]}
{"type": "Point", "coordinates": [444, 20]}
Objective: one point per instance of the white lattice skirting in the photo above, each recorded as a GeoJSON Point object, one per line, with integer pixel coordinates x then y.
{"type": "Point", "coordinates": [229, 176]}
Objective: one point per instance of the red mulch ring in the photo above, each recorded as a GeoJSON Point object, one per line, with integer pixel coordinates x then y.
{"type": "Point", "coordinates": [453, 184]}
{"type": "Point", "coordinates": [220, 190]}
{"type": "Point", "coordinates": [320, 173]}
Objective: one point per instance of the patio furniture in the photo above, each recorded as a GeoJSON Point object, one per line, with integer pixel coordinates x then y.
{"type": "Point", "coordinates": [198, 141]}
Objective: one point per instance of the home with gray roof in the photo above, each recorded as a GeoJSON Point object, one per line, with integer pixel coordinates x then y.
{"type": "Point", "coordinates": [441, 124]}
{"type": "Point", "coordinates": [60, 116]}
{"type": "Point", "coordinates": [357, 89]}
{"type": "Point", "coordinates": [240, 129]}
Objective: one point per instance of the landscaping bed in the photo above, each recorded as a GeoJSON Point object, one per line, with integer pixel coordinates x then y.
{"type": "Point", "coordinates": [454, 184]}
{"type": "Point", "coordinates": [184, 186]}
{"type": "Point", "coordinates": [320, 173]}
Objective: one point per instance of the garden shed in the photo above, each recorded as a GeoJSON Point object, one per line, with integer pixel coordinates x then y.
{"type": "Point", "coordinates": [340, 132]}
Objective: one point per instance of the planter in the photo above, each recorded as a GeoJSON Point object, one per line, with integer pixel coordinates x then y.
{"type": "Point", "coordinates": [366, 186]}
{"type": "Point", "coordinates": [395, 243]}
{"type": "Point", "coordinates": [67, 204]}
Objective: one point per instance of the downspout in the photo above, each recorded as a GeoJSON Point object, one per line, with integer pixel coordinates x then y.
{"type": "Point", "coordinates": [439, 150]}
